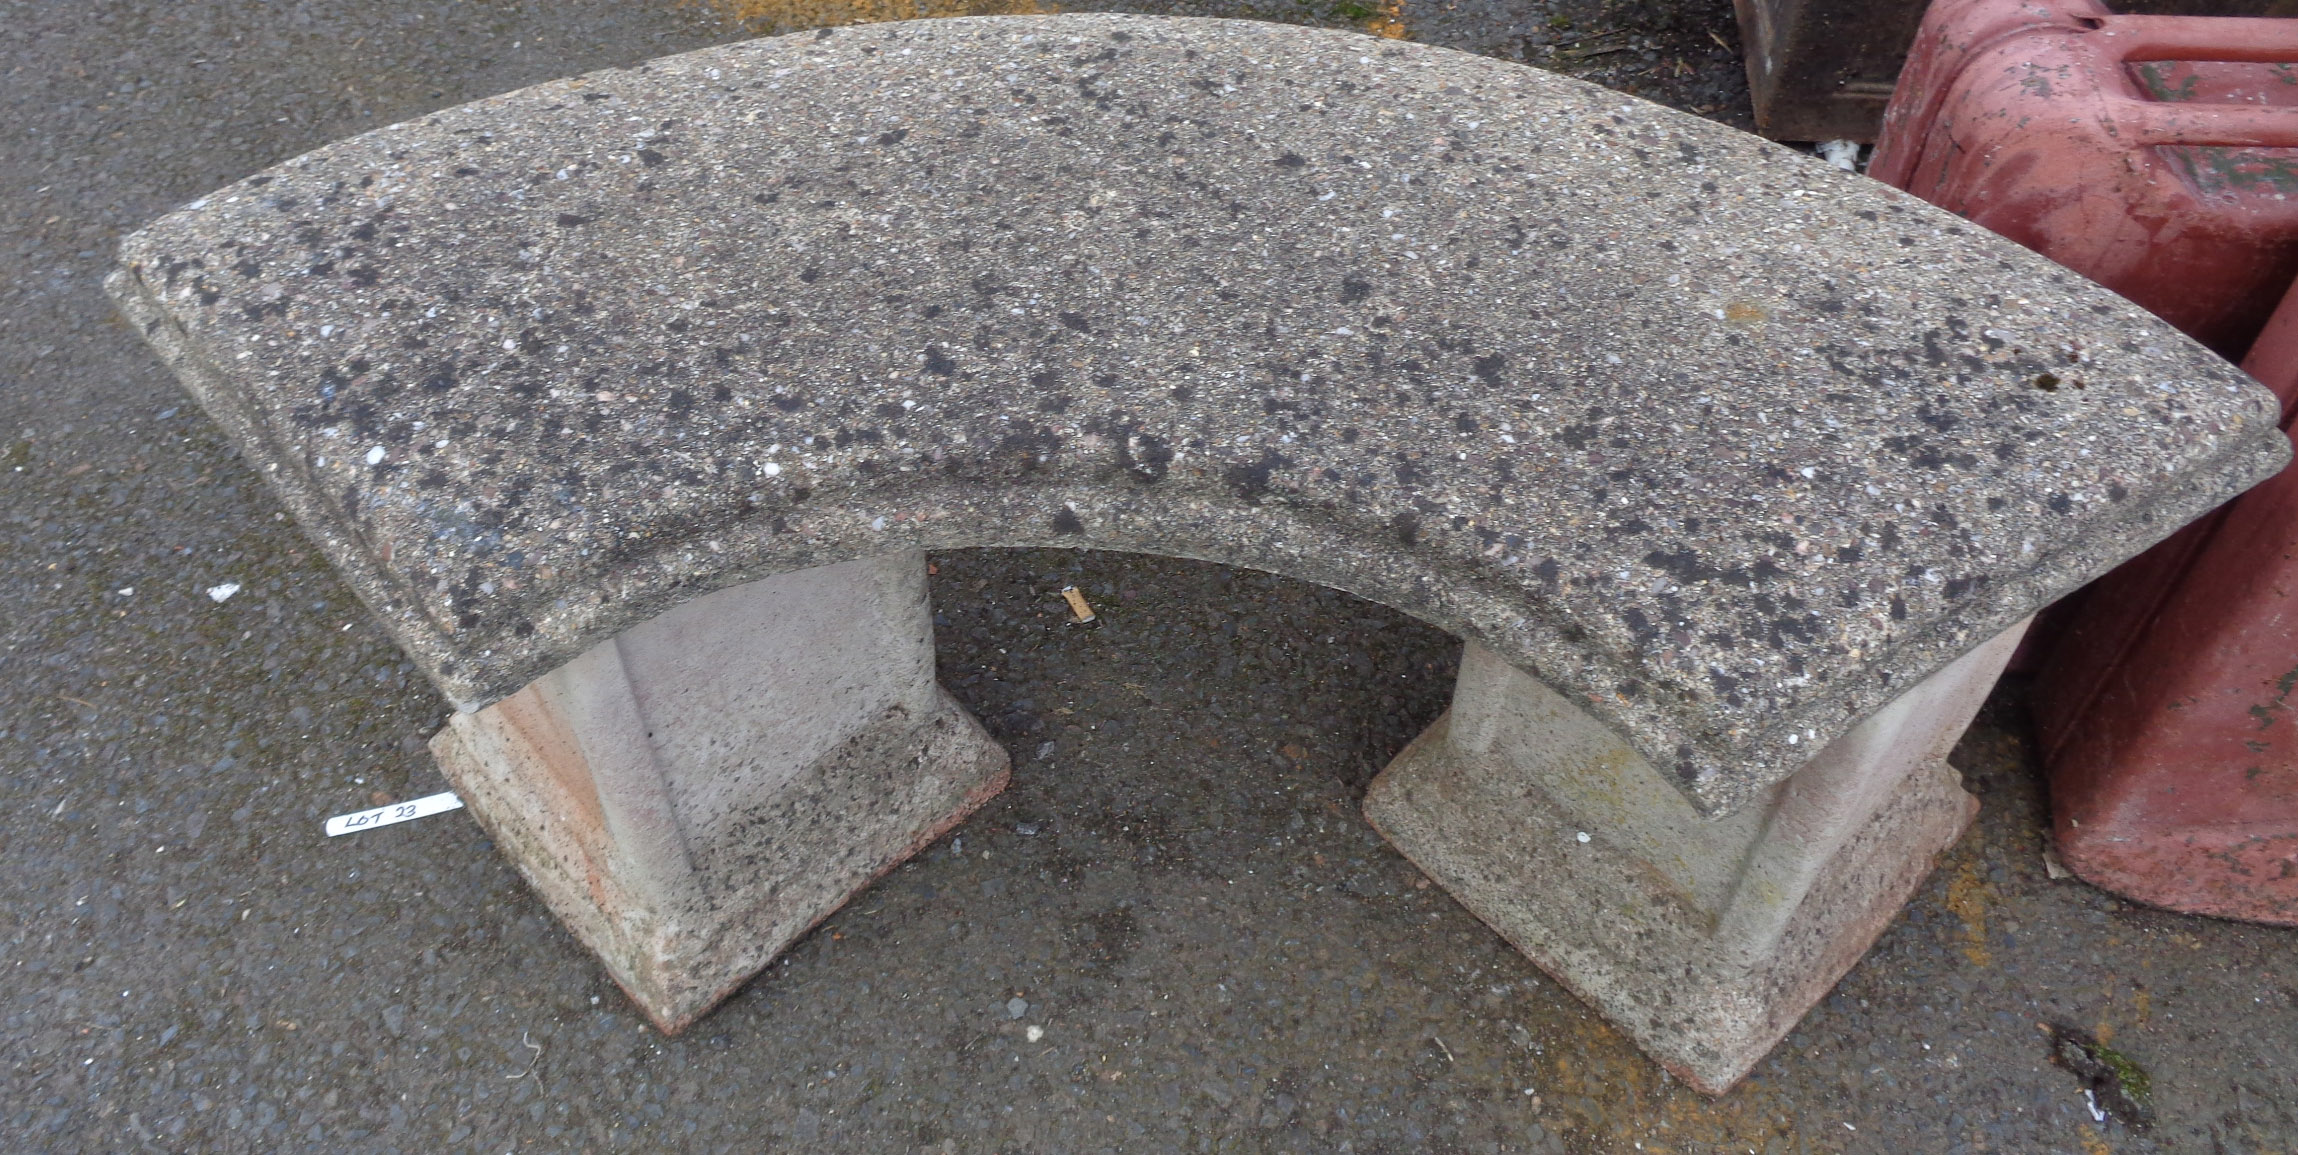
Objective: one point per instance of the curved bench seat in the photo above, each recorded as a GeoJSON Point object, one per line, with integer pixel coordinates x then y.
{"type": "Point", "coordinates": [1720, 440]}
{"type": "Point", "coordinates": [1726, 446]}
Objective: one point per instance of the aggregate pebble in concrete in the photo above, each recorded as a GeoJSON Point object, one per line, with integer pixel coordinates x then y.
{"type": "Point", "coordinates": [1729, 445]}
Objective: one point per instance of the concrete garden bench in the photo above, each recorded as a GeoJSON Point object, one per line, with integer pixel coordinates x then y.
{"type": "Point", "coordinates": [629, 403]}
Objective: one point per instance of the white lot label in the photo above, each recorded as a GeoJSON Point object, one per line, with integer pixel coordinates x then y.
{"type": "Point", "coordinates": [396, 812]}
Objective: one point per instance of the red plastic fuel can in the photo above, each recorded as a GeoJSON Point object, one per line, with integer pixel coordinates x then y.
{"type": "Point", "coordinates": [2157, 155]}
{"type": "Point", "coordinates": [2171, 729]}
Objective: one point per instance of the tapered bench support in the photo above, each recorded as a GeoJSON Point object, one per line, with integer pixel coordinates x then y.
{"type": "Point", "coordinates": [1705, 940]}
{"type": "Point", "coordinates": [692, 795]}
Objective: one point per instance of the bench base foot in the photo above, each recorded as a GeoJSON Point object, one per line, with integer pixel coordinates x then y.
{"type": "Point", "coordinates": [693, 795]}
{"type": "Point", "coordinates": [838, 826]}
{"type": "Point", "coordinates": [1705, 940]}
{"type": "Point", "coordinates": [1590, 915]}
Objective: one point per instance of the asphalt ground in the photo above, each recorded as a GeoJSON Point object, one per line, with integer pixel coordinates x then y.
{"type": "Point", "coordinates": [1210, 949]}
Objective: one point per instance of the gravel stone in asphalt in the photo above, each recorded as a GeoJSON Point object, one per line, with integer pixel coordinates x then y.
{"type": "Point", "coordinates": [1221, 956]}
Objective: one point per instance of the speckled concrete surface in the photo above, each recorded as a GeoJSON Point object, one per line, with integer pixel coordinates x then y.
{"type": "Point", "coordinates": [1729, 444]}
{"type": "Point", "coordinates": [1219, 954]}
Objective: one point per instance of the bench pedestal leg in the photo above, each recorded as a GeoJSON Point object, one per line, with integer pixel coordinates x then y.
{"type": "Point", "coordinates": [693, 795]}
{"type": "Point", "coordinates": [1706, 941]}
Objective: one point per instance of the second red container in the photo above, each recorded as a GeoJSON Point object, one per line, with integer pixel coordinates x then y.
{"type": "Point", "coordinates": [2175, 779]}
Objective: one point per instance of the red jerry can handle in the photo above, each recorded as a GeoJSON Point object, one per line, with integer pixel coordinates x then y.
{"type": "Point", "coordinates": [2228, 39]}
{"type": "Point", "coordinates": [1955, 31]}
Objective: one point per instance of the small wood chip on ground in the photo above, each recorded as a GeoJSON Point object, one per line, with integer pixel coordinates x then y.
{"type": "Point", "coordinates": [1077, 604]}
